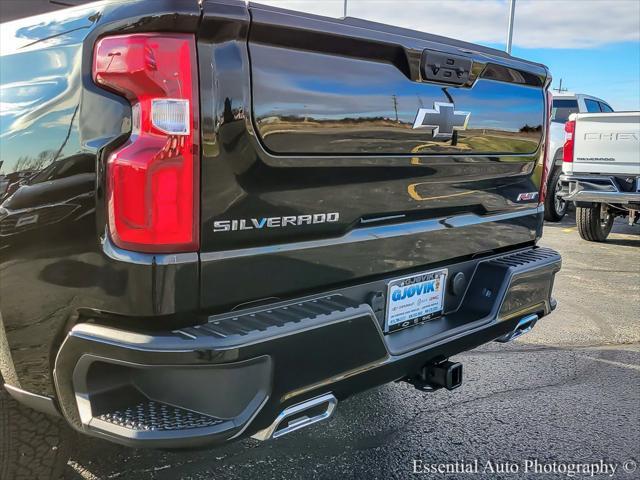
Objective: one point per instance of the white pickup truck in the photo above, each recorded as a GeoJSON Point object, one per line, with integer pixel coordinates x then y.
{"type": "Point", "coordinates": [564, 104]}
{"type": "Point", "coordinates": [601, 170]}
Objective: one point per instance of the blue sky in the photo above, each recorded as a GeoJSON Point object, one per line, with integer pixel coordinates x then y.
{"type": "Point", "coordinates": [593, 45]}
{"type": "Point", "coordinates": [611, 72]}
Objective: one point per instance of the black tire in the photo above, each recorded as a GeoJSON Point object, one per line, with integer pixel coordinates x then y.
{"type": "Point", "coordinates": [591, 226]}
{"type": "Point", "coordinates": [554, 207]}
{"type": "Point", "coordinates": [32, 445]}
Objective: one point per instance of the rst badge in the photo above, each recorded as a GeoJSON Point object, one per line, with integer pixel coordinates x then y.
{"type": "Point", "coordinates": [527, 196]}
{"type": "Point", "coordinates": [274, 222]}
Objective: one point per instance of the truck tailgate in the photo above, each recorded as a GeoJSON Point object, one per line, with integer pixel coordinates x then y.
{"type": "Point", "coordinates": [330, 156]}
{"type": "Point", "coordinates": [607, 143]}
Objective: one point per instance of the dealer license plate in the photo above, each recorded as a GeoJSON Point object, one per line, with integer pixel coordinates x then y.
{"type": "Point", "coordinates": [415, 299]}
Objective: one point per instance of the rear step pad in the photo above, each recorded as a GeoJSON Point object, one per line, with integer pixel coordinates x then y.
{"type": "Point", "coordinates": [164, 390]}
{"type": "Point", "coordinates": [148, 415]}
{"type": "Point", "coordinates": [525, 270]}
{"type": "Point", "coordinates": [264, 323]}
{"type": "Point", "coordinates": [527, 258]}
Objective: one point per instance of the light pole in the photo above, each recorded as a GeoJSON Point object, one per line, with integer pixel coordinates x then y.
{"type": "Point", "coordinates": [344, 9]}
{"type": "Point", "coordinates": [512, 12]}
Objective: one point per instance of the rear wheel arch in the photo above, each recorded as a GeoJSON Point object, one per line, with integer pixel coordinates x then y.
{"type": "Point", "coordinates": [554, 208]}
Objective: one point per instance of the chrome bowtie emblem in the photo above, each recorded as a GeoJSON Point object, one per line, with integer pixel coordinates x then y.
{"type": "Point", "coordinates": [442, 119]}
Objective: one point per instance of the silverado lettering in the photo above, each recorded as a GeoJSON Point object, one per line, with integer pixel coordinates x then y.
{"type": "Point", "coordinates": [274, 222]}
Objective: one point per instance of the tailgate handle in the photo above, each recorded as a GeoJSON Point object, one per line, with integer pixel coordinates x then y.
{"type": "Point", "coordinates": [445, 68]}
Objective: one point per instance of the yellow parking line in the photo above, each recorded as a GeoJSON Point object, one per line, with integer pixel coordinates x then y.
{"type": "Point", "coordinates": [416, 149]}
{"type": "Point", "coordinates": [411, 189]}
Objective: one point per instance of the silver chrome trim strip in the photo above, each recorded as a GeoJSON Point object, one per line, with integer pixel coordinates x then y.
{"type": "Point", "coordinates": [121, 255]}
{"type": "Point", "coordinates": [378, 232]}
{"type": "Point", "coordinates": [603, 197]}
{"type": "Point", "coordinates": [584, 192]}
{"type": "Point", "coordinates": [37, 402]}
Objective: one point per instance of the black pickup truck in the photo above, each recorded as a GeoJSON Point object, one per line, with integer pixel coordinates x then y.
{"type": "Point", "coordinates": [219, 219]}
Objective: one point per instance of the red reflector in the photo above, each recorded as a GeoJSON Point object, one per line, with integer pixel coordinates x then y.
{"type": "Point", "coordinates": [152, 180]}
{"type": "Point", "coordinates": [567, 149]}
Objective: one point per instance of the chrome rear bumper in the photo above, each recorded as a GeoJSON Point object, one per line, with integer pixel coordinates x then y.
{"type": "Point", "coordinates": [595, 189]}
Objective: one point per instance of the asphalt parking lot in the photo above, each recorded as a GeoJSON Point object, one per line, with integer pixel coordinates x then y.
{"type": "Point", "coordinates": [569, 392]}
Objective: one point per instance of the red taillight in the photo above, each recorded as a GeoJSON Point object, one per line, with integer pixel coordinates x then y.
{"type": "Point", "coordinates": [546, 158]}
{"type": "Point", "coordinates": [152, 180]}
{"type": "Point", "coordinates": [567, 149]}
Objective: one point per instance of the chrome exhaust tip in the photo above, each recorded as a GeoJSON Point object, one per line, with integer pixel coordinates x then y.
{"type": "Point", "coordinates": [525, 325]}
{"type": "Point", "coordinates": [299, 416]}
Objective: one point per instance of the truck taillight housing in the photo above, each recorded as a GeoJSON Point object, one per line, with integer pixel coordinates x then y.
{"type": "Point", "coordinates": [546, 158]}
{"type": "Point", "coordinates": [152, 181]}
{"type": "Point", "coordinates": [567, 149]}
